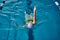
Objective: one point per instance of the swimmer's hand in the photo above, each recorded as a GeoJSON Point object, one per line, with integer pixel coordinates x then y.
{"type": "Point", "coordinates": [34, 22]}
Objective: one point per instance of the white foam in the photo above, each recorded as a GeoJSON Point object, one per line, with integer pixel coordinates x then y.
{"type": "Point", "coordinates": [57, 4]}
{"type": "Point", "coordinates": [1, 4]}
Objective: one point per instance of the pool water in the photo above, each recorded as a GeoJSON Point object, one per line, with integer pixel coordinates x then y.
{"type": "Point", "coordinates": [47, 26]}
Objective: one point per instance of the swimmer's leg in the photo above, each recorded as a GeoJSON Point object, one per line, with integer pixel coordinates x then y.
{"type": "Point", "coordinates": [30, 34]}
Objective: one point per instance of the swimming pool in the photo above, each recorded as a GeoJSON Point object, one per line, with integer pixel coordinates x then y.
{"type": "Point", "coordinates": [46, 28]}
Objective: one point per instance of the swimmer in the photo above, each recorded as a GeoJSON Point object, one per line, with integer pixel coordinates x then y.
{"type": "Point", "coordinates": [1, 5]}
{"type": "Point", "coordinates": [30, 20]}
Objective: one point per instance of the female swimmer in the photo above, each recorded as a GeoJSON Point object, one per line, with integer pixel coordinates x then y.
{"type": "Point", "coordinates": [30, 21]}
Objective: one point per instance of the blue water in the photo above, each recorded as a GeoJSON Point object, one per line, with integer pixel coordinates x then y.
{"type": "Point", "coordinates": [47, 26]}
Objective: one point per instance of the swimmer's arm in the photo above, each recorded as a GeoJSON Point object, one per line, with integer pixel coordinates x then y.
{"type": "Point", "coordinates": [34, 17]}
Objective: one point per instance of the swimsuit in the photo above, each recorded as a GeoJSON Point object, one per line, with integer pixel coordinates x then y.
{"type": "Point", "coordinates": [29, 20]}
